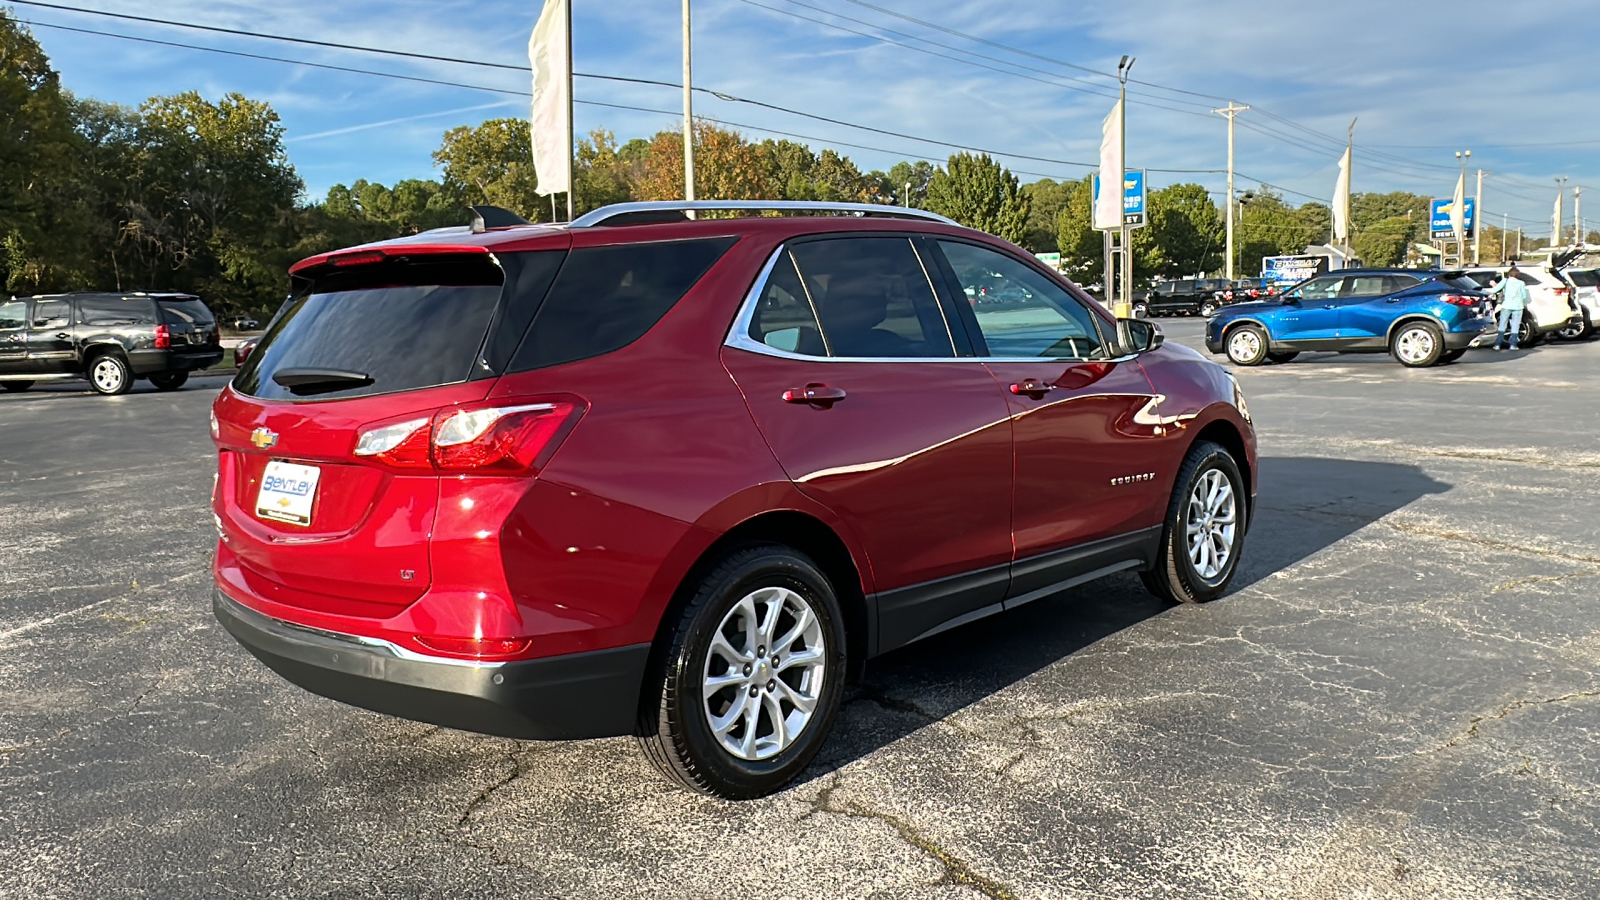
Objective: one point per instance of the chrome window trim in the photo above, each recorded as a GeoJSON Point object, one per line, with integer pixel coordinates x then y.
{"type": "Point", "coordinates": [599, 216]}
{"type": "Point", "coordinates": [739, 334]}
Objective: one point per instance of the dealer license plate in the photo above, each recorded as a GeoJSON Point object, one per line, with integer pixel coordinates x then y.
{"type": "Point", "coordinates": [287, 492]}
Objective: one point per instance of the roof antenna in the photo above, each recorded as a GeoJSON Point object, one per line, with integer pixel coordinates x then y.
{"type": "Point", "coordinates": [487, 217]}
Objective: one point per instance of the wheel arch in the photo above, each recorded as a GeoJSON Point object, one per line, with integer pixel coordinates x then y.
{"type": "Point", "coordinates": [800, 531]}
{"type": "Point", "coordinates": [1407, 319]}
{"type": "Point", "coordinates": [1232, 325]}
{"type": "Point", "coordinates": [1225, 434]}
{"type": "Point", "coordinates": [97, 349]}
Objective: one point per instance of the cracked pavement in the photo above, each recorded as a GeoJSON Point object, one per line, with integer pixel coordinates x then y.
{"type": "Point", "coordinates": [1399, 698]}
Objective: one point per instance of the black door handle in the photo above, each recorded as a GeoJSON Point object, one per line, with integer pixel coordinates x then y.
{"type": "Point", "coordinates": [63, 335]}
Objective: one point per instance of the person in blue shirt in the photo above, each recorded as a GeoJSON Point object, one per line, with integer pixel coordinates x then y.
{"type": "Point", "coordinates": [1514, 299]}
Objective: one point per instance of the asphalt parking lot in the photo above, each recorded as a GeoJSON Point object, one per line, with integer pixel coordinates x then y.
{"type": "Point", "coordinates": [1399, 698]}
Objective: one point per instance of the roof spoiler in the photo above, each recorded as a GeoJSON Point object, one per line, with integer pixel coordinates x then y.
{"type": "Point", "coordinates": [487, 217]}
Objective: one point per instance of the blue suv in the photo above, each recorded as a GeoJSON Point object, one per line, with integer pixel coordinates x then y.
{"type": "Point", "coordinates": [1423, 318]}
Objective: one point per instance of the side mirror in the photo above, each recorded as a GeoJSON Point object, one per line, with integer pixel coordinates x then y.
{"type": "Point", "coordinates": [1292, 299]}
{"type": "Point", "coordinates": [1141, 336]}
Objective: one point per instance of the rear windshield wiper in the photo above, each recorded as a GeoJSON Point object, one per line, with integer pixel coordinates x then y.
{"type": "Point", "coordinates": [317, 381]}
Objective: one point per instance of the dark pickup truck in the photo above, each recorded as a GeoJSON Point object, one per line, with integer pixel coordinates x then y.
{"type": "Point", "coordinates": [1183, 297]}
{"type": "Point", "coordinates": [109, 339]}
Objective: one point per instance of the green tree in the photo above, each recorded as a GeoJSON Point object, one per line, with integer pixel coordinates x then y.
{"type": "Point", "coordinates": [40, 208]}
{"type": "Point", "coordinates": [1082, 248]}
{"type": "Point", "coordinates": [892, 184]}
{"type": "Point", "coordinates": [492, 163]}
{"type": "Point", "coordinates": [1383, 243]}
{"type": "Point", "coordinates": [1184, 234]}
{"type": "Point", "coordinates": [603, 176]}
{"type": "Point", "coordinates": [1046, 199]}
{"type": "Point", "coordinates": [1269, 227]}
{"type": "Point", "coordinates": [979, 193]}
{"type": "Point", "coordinates": [726, 167]}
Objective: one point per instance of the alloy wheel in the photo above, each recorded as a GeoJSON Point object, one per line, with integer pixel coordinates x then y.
{"type": "Point", "coordinates": [763, 673]}
{"type": "Point", "coordinates": [107, 374]}
{"type": "Point", "coordinates": [1414, 345]}
{"type": "Point", "coordinates": [1210, 523]}
{"type": "Point", "coordinates": [1244, 344]}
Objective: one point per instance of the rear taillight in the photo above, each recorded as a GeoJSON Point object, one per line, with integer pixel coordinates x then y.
{"type": "Point", "coordinates": [1460, 300]}
{"type": "Point", "coordinates": [163, 337]}
{"type": "Point", "coordinates": [510, 437]}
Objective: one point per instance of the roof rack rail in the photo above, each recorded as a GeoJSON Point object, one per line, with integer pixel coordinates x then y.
{"type": "Point", "coordinates": [634, 213]}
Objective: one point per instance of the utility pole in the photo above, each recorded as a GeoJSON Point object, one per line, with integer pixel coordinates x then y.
{"type": "Point", "coordinates": [1231, 111]}
{"type": "Point", "coordinates": [1477, 218]}
{"type": "Point", "coordinates": [688, 112]}
{"type": "Point", "coordinates": [1577, 217]}
{"type": "Point", "coordinates": [1519, 242]}
{"type": "Point", "coordinates": [1124, 309]}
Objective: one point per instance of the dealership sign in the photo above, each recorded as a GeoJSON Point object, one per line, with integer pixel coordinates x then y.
{"type": "Point", "coordinates": [1283, 271]}
{"type": "Point", "coordinates": [1439, 219]}
{"type": "Point", "coordinates": [1132, 197]}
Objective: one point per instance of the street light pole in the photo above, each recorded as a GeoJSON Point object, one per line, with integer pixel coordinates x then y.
{"type": "Point", "coordinates": [1561, 194]}
{"type": "Point", "coordinates": [1124, 309]}
{"type": "Point", "coordinates": [908, 195]}
{"type": "Point", "coordinates": [1231, 111]}
{"type": "Point", "coordinates": [688, 112]}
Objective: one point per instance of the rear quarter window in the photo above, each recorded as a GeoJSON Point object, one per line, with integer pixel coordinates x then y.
{"type": "Point", "coordinates": [187, 311]}
{"type": "Point", "coordinates": [116, 311]}
{"type": "Point", "coordinates": [605, 298]}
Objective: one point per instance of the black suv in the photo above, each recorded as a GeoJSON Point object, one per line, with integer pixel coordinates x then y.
{"type": "Point", "coordinates": [109, 339]}
{"type": "Point", "coordinates": [1183, 297]}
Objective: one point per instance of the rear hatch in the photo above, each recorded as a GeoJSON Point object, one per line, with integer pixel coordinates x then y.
{"type": "Point", "coordinates": [191, 327]}
{"type": "Point", "coordinates": [309, 518]}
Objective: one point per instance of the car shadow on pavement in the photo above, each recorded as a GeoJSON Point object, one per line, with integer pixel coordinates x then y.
{"type": "Point", "coordinates": [1306, 505]}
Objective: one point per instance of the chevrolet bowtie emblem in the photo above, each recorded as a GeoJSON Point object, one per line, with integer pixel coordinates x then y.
{"type": "Point", "coordinates": [263, 438]}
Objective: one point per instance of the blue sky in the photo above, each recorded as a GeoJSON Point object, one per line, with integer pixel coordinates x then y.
{"type": "Point", "coordinates": [1424, 79]}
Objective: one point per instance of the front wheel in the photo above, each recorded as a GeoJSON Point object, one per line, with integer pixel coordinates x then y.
{"type": "Point", "coordinates": [1204, 530]}
{"type": "Point", "coordinates": [1247, 346]}
{"type": "Point", "coordinates": [1207, 309]}
{"type": "Point", "coordinates": [16, 387]}
{"type": "Point", "coordinates": [169, 381]}
{"type": "Point", "coordinates": [1417, 345]}
{"type": "Point", "coordinates": [747, 684]}
{"type": "Point", "coordinates": [109, 375]}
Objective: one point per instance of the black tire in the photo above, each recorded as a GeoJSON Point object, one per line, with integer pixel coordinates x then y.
{"type": "Point", "coordinates": [1246, 345]}
{"type": "Point", "coordinates": [16, 387]}
{"type": "Point", "coordinates": [1451, 356]}
{"type": "Point", "coordinates": [1207, 308]}
{"type": "Point", "coordinates": [1417, 345]}
{"type": "Point", "coordinates": [1176, 577]}
{"type": "Point", "coordinates": [674, 728]}
{"type": "Point", "coordinates": [109, 375]}
{"type": "Point", "coordinates": [1284, 356]}
{"type": "Point", "coordinates": [169, 381]}
{"type": "Point", "coordinates": [1580, 331]}
{"type": "Point", "coordinates": [1528, 332]}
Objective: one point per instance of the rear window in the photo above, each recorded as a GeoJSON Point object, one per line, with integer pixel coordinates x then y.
{"type": "Point", "coordinates": [398, 325]}
{"type": "Point", "coordinates": [605, 298]}
{"type": "Point", "coordinates": [187, 311]}
{"type": "Point", "coordinates": [116, 311]}
{"type": "Point", "coordinates": [1461, 283]}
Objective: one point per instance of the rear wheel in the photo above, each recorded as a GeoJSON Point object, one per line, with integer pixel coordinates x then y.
{"type": "Point", "coordinates": [748, 683]}
{"type": "Point", "coordinates": [169, 381]}
{"type": "Point", "coordinates": [1528, 332]}
{"type": "Point", "coordinates": [109, 375]}
{"type": "Point", "coordinates": [1283, 357]}
{"type": "Point", "coordinates": [1417, 344]}
{"type": "Point", "coordinates": [1207, 308]}
{"type": "Point", "coordinates": [1204, 530]}
{"type": "Point", "coordinates": [1247, 345]}
{"type": "Point", "coordinates": [1579, 330]}
{"type": "Point", "coordinates": [16, 386]}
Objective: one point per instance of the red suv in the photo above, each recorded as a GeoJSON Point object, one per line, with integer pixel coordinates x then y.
{"type": "Point", "coordinates": [679, 478]}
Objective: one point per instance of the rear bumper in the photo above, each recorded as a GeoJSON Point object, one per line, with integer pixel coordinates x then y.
{"type": "Point", "coordinates": [578, 695]}
{"type": "Point", "coordinates": [146, 362]}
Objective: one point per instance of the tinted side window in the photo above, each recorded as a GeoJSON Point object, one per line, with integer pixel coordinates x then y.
{"type": "Point", "coordinates": [873, 298]}
{"type": "Point", "coordinates": [1364, 286]}
{"type": "Point", "coordinates": [51, 313]}
{"type": "Point", "coordinates": [116, 311]}
{"type": "Point", "coordinates": [185, 312]}
{"type": "Point", "coordinates": [14, 314]}
{"type": "Point", "coordinates": [1325, 288]}
{"type": "Point", "coordinates": [1584, 278]}
{"type": "Point", "coordinates": [1045, 321]}
{"type": "Point", "coordinates": [1393, 283]}
{"type": "Point", "coordinates": [605, 298]}
{"type": "Point", "coordinates": [784, 317]}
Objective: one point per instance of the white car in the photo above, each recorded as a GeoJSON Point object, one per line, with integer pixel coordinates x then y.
{"type": "Point", "coordinates": [1550, 305]}
{"type": "Point", "coordinates": [1586, 286]}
